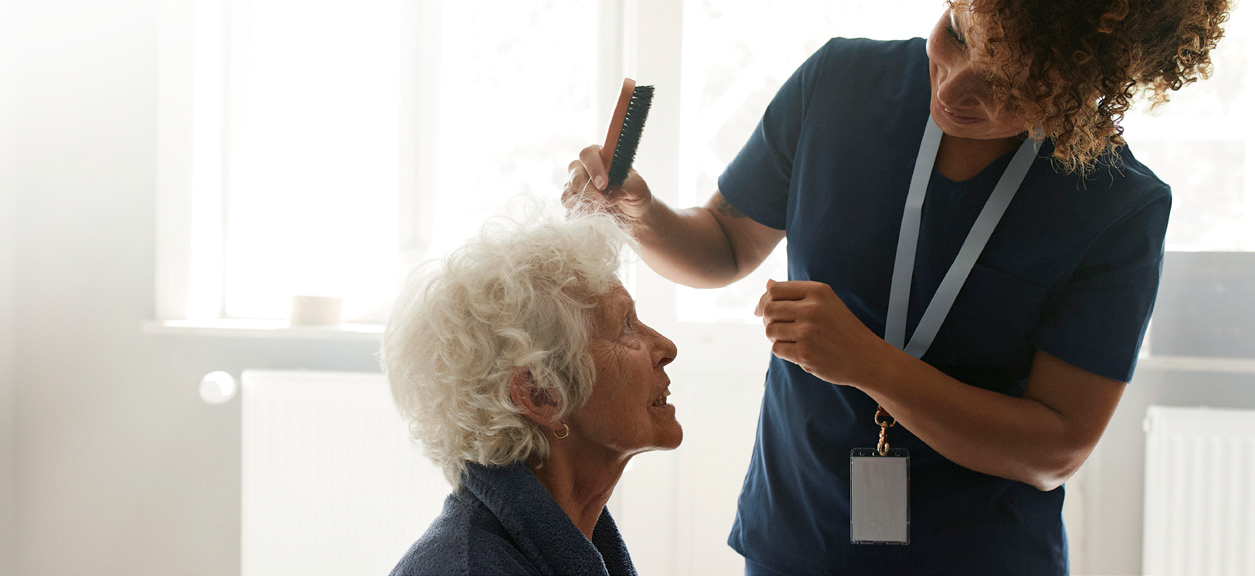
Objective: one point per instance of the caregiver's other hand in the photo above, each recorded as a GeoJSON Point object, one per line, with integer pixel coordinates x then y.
{"type": "Point", "coordinates": [810, 326]}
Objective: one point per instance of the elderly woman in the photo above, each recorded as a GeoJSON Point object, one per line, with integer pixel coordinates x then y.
{"type": "Point", "coordinates": [525, 374]}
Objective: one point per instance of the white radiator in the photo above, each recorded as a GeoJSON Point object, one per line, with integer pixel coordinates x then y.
{"type": "Point", "coordinates": [331, 485]}
{"type": "Point", "coordinates": [1199, 515]}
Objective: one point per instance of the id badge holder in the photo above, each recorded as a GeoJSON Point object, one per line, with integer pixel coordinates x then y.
{"type": "Point", "coordinates": [880, 510]}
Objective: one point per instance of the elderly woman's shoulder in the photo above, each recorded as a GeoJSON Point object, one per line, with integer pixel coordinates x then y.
{"type": "Point", "coordinates": [465, 540]}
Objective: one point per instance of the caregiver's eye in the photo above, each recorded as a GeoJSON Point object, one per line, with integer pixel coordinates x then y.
{"type": "Point", "coordinates": [955, 33]}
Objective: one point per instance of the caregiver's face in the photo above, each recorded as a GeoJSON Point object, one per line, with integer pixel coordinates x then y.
{"type": "Point", "coordinates": [963, 102]}
{"type": "Point", "coordinates": [628, 412]}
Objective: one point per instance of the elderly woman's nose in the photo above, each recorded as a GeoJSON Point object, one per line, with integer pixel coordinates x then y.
{"type": "Point", "coordinates": [664, 351]}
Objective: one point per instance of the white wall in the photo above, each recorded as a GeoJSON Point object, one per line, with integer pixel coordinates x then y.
{"type": "Point", "coordinates": [120, 468]}
{"type": "Point", "coordinates": [1113, 482]}
{"type": "Point", "coordinates": [7, 251]}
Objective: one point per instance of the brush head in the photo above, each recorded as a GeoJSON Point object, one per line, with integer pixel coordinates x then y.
{"type": "Point", "coordinates": [625, 130]}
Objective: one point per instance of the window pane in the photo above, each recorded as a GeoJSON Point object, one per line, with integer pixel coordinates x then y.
{"type": "Point", "coordinates": [515, 101]}
{"type": "Point", "coordinates": [312, 154]}
{"type": "Point", "coordinates": [315, 115]}
{"type": "Point", "coordinates": [730, 76]}
{"type": "Point", "coordinates": [1200, 144]}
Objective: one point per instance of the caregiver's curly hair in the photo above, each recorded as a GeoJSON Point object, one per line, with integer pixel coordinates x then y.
{"type": "Point", "coordinates": [520, 295]}
{"type": "Point", "coordinates": [1073, 67]}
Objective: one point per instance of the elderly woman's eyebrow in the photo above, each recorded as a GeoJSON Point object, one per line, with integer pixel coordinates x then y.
{"type": "Point", "coordinates": [614, 312]}
{"type": "Point", "coordinates": [625, 309]}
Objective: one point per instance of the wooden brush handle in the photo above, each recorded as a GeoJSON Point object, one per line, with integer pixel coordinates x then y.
{"type": "Point", "coordinates": [616, 122]}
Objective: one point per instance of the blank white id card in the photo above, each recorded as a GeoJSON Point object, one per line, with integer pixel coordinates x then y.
{"type": "Point", "coordinates": [879, 497]}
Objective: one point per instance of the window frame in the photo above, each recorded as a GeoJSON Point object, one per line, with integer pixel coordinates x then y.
{"type": "Point", "coordinates": [197, 50]}
{"type": "Point", "coordinates": [194, 95]}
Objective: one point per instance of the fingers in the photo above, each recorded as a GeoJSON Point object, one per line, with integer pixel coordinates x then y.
{"type": "Point", "coordinates": [782, 331]}
{"type": "Point", "coordinates": [780, 307]}
{"type": "Point", "coordinates": [578, 178]}
{"type": "Point", "coordinates": [588, 188]}
{"type": "Point", "coordinates": [792, 352]}
{"type": "Point", "coordinates": [594, 171]}
{"type": "Point", "coordinates": [789, 291]}
{"type": "Point", "coordinates": [792, 289]}
{"type": "Point", "coordinates": [779, 316]}
{"type": "Point", "coordinates": [784, 311]}
{"type": "Point", "coordinates": [576, 175]}
{"type": "Point", "coordinates": [765, 298]}
{"type": "Point", "coordinates": [586, 178]}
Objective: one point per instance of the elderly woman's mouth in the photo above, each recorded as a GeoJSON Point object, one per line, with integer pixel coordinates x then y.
{"type": "Point", "coordinates": [661, 401]}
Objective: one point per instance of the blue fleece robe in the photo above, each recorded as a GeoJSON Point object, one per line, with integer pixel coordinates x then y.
{"type": "Point", "coordinates": [502, 521]}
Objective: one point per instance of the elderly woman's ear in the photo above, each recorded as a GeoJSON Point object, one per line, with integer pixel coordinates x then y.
{"type": "Point", "coordinates": [536, 403]}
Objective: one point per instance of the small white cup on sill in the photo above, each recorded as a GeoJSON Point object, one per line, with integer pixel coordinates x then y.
{"type": "Point", "coordinates": [308, 310]}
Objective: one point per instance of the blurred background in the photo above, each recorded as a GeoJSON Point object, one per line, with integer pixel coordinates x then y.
{"type": "Point", "coordinates": [235, 188]}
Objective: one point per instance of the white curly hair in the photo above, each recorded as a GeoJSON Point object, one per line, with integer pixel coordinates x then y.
{"type": "Point", "coordinates": [518, 295]}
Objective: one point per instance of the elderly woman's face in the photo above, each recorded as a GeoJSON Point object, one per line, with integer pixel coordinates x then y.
{"type": "Point", "coordinates": [627, 412]}
{"type": "Point", "coordinates": [963, 102]}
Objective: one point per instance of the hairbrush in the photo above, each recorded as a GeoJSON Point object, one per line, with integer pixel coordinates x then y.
{"type": "Point", "coordinates": [626, 127]}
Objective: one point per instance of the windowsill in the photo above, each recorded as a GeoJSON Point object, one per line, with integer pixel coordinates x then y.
{"type": "Point", "coordinates": [281, 329]}
{"type": "Point", "coordinates": [1197, 364]}
{"type": "Point", "coordinates": [269, 329]}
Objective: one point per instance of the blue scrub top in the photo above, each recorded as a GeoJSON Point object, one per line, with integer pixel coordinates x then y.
{"type": "Point", "coordinates": [1072, 269]}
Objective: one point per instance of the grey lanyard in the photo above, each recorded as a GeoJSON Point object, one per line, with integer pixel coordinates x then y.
{"type": "Point", "coordinates": [908, 240]}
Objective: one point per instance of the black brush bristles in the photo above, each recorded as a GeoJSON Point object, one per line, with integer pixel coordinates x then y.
{"type": "Point", "coordinates": [630, 134]}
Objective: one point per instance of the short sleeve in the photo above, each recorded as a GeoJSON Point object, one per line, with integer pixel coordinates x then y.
{"type": "Point", "coordinates": [1098, 319]}
{"type": "Point", "coordinates": [757, 180]}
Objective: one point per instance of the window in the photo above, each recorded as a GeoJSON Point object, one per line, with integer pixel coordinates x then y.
{"type": "Point", "coordinates": [312, 154]}
{"type": "Point", "coordinates": [1198, 143]}
{"type": "Point", "coordinates": [730, 77]}
{"type": "Point", "coordinates": [313, 142]}
{"type": "Point", "coordinates": [307, 147]}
